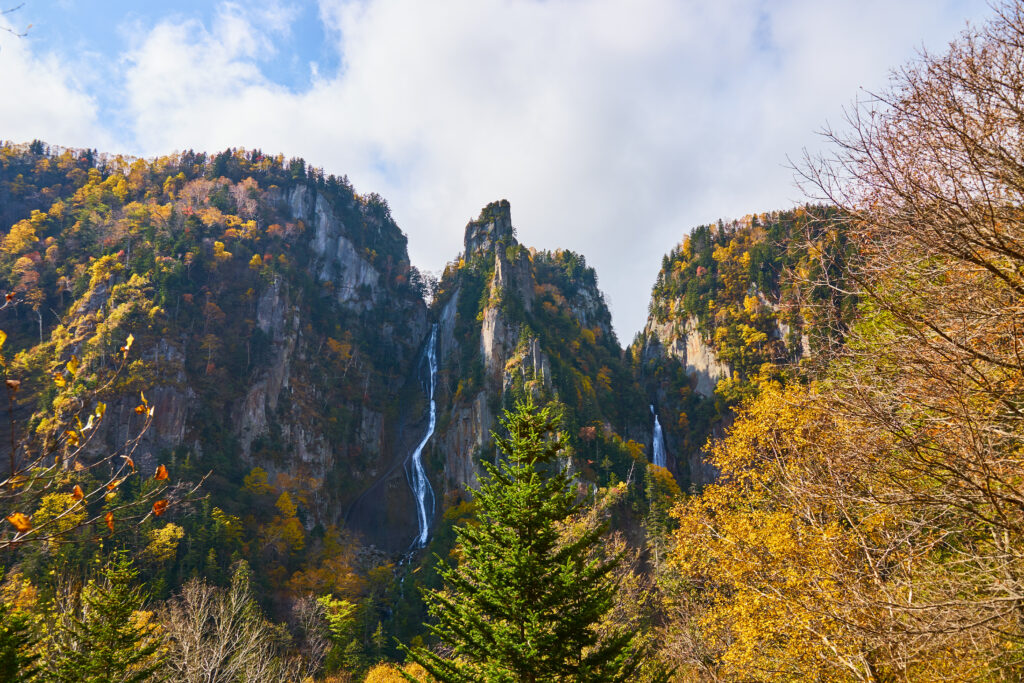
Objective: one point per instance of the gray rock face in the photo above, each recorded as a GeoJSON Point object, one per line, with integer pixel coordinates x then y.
{"type": "Point", "coordinates": [504, 356]}
{"type": "Point", "coordinates": [356, 282]}
{"type": "Point", "coordinates": [494, 225]}
{"type": "Point", "coordinates": [446, 328]}
{"type": "Point", "coordinates": [688, 346]}
{"type": "Point", "coordinates": [530, 363]}
{"type": "Point", "coordinates": [588, 306]}
{"type": "Point", "coordinates": [253, 414]}
{"type": "Point", "coordinates": [468, 433]}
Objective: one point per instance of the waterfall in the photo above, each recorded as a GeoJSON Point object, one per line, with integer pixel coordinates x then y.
{"type": "Point", "coordinates": [658, 448]}
{"type": "Point", "coordinates": [418, 481]}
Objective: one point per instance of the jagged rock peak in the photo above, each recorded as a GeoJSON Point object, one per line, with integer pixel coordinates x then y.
{"type": "Point", "coordinates": [493, 226]}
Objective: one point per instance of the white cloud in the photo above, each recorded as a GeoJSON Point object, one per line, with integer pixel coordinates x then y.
{"type": "Point", "coordinates": [613, 127]}
{"type": "Point", "coordinates": [42, 98]}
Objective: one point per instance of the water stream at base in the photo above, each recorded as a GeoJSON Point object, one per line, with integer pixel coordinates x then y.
{"type": "Point", "coordinates": [418, 481]}
{"type": "Point", "coordinates": [658, 448]}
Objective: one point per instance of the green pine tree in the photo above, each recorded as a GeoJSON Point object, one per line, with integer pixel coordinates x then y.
{"type": "Point", "coordinates": [105, 639]}
{"type": "Point", "coordinates": [525, 600]}
{"type": "Point", "coordinates": [17, 654]}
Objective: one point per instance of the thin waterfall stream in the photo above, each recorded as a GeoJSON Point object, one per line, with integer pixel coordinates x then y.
{"type": "Point", "coordinates": [418, 480]}
{"type": "Point", "coordinates": [658, 448]}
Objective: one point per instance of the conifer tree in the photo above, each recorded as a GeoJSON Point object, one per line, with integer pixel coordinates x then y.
{"type": "Point", "coordinates": [525, 600]}
{"type": "Point", "coordinates": [17, 653]}
{"type": "Point", "coordinates": [109, 639]}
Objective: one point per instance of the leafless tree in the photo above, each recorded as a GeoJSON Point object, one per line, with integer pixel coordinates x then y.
{"type": "Point", "coordinates": [310, 620]}
{"type": "Point", "coordinates": [220, 636]}
{"type": "Point", "coordinates": [931, 174]}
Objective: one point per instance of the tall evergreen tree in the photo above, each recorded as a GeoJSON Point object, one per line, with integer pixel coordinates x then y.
{"type": "Point", "coordinates": [109, 639]}
{"type": "Point", "coordinates": [17, 653]}
{"type": "Point", "coordinates": [525, 600]}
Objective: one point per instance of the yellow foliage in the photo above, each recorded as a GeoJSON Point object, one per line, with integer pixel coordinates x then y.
{"type": "Point", "coordinates": [285, 505]}
{"type": "Point", "coordinates": [230, 526]}
{"type": "Point", "coordinates": [772, 560]}
{"type": "Point", "coordinates": [389, 673]}
{"type": "Point", "coordinates": [663, 482]}
{"type": "Point", "coordinates": [21, 236]}
{"type": "Point", "coordinates": [102, 268]}
{"type": "Point", "coordinates": [19, 593]}
{"type": "Point", "coordinates": [58, 513]}
{"type": "Point", "coordinates": [332, 575]}
{"type": "Point", "coordinates": [220, 253]}
{"type": "Point", "coordinates": [163, 543]}
{"type": "Point", "coordinates": [384, 673]}
{"type": "Point", "coordinates": [286, 534]}
{"type": "Point", "coordinates": [256, 482]}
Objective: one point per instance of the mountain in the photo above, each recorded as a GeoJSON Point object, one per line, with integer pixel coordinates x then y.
{"type": "Point", "coordinates": [280, 329]}
{"type": "Point", "coordinates": [514, 321]}
{"type": "Point", "coordinates": [339, 403]}
{"type": "Point", "coordinates": [737, 304]}
{"type": "Point", "coordinates": [276, 317]}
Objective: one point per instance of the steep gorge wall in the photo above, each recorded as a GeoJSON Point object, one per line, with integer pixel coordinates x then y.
{"type": "Point", "coordinates": [283, 414]}
{"type": "Point", "coordinates": [515, 322]}
{"type": "Point", "coordinates": [685, 343]}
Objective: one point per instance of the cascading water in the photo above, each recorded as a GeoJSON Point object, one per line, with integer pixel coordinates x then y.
{"type": "Point", "coordinates": [659, 442]}
{"type": "Point", "coordinates": [421, 487]}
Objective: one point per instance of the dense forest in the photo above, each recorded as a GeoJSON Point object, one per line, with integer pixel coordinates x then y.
{"type": "Point", "coordinates": [249, 441]}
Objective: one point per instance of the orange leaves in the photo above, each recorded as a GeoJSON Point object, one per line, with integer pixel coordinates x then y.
{"type": "Point", "coordinates": [128, 344]}
{"type": "Point", "coordinates": [159, 507]}
{"type": "Point", "coordinates": [114, 484]}
{"type": "Point", "coordinates": [109, 519]}
{"type": "Point", "coordinates": [21, 522]}
{"type": "Point", "coordinates": [144, 408]}
{"type": "Point", "coordinates": [63, 377]}
{"type": "Point", "coordinates": [77, 493]}
{"type": "Point", "coordinates": [161, 473]}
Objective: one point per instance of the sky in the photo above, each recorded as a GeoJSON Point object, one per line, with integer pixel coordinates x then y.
{"type": "Point", "coordinates": [612, 126]}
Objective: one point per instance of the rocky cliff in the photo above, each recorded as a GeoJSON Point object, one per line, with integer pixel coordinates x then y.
{"type": "Point", "coordinates": [684, 342]}
{"type": "Point", "coordinates": [732, 307]}
{"type": "Point", "coordinates": [517, 322]}
{"type": "Point", "coordinates": [277, 321]}
{"type": "Point", "coordinates": [280, 331]}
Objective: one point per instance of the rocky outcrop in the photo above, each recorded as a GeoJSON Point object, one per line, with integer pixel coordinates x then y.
{"type": "Point", "coordinates": [687, 345]}
{"type": "Point", "coordinates": [446, 328]}
{"type": "Point", "coordinates": [355, 281]}
{"type": "Point", "coordinates": [512, 279]}
{"type": "Point", "coordinates": [590, 309]}
{"type": "Point", "coordinates": [276, 318]}
{"type": "Point", "coordinates": [467, 435]}
{"type": "Point", "coordinates": [494, 226]}
{"type": "Point", "coordinates": [530, 364]}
